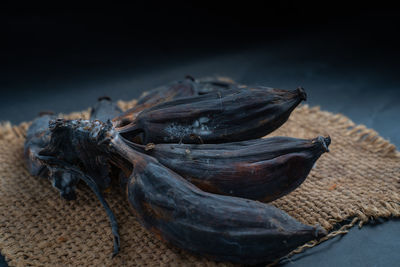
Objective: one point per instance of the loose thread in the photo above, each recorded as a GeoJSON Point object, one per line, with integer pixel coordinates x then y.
{"type": "Point", "coordinates": [343, 230]}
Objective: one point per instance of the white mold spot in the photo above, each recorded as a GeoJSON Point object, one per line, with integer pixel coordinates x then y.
{"type": "Point", "coordinates": [204, 120]}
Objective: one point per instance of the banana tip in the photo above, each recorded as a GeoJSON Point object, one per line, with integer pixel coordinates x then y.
{"type": "Point", "coordinates": [325, 142]}
{"type": "Point", "coordinates": [320, 232]}
{"type": "Point", "coordinates": [190, 77]}
{"type": "Point", "coordinates": [302, 93]}
{"type": "Point", "coordinates": [45, 112]}
{"type": "Point", "coordinates": [104, 98]}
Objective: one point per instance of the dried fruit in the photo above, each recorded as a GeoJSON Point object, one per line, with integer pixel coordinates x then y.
{"type": "Point", "coordinates": [217, 226]}
{"type": "Point", "coordinates": [37, 138]}
{"type": "Point", "coordinates": [223, 116]}
{"type": "Point", "coordinates": [180, 89]}
{"type": "Point", "coordinates": [149, 99]}
{"type": "Point", "coordinates": [262, 169]}
{"type": "Point", "coordinates": [104, 109]}
{"type": "Point", "coordinates": [213, 84]}
{"type": "Point", "coordinates": [222, 228]}
{"type": "Point", "coordinates": [74, 154]}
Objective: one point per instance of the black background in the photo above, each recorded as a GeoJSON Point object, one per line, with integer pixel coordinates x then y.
{"type": "Point", "coordinates": [345, 54]}
{"type": "Point", "coordinates": [42, 46]}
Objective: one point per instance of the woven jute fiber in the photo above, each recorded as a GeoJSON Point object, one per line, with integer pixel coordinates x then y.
{"type": "Point", "coordinates": [358, 180]}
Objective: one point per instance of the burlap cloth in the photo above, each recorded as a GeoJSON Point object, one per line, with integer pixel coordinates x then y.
{"type": "Point", "coordinates": [358, 180]}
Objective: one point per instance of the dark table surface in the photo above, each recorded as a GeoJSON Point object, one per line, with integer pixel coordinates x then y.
{"type": "Point", "coordinates": [360, 83]}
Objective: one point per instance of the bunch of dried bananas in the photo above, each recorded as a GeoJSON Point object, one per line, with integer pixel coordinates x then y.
{"type": "Point", "coordinates": [190, 158]}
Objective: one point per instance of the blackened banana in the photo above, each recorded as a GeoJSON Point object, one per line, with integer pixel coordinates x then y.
{"type": "Point", "coordinates": [74, 154]}
{"type": "Point", "coordinates": [104, 110]}
{"type": "Point", "coordinates": [71, 145]}
{"type": "Point", "coordinates": [262, 169]}
{"type": "Point", "coordinates": [223, 116]}
{"type": "Point", "coordinates": [156, 96]}
{"type": "Point", "coordinates": [213, 84]}
{"type": "Point", "coordinates": [180, 89]}
{"type": "Point", "coordinates": [222, 228]}
{"type": "Point", "coordinates": [71, 142]}
{"type": "Point", "coordinates": [38, 134]}
{"type": "Point", "coordinates": [37, 137]}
